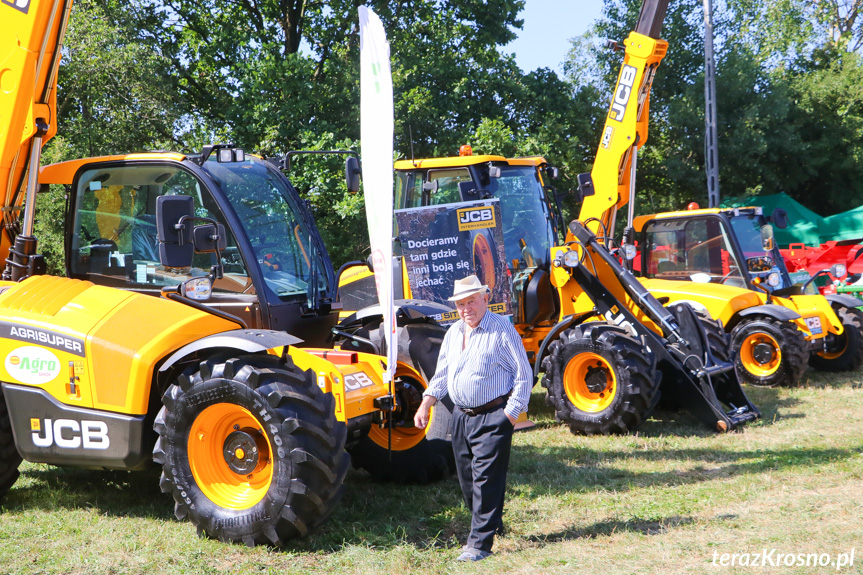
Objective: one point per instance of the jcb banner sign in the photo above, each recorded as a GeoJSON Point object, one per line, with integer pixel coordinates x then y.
{"type": "Point", "coordinates": [475, 218]}
{"type": "Point", "coordinates": [441, 244]}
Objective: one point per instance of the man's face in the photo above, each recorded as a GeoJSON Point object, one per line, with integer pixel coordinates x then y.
{"type": "Point", "coordinates": [472, 308]}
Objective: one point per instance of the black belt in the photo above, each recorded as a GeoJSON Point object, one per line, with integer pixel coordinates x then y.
{"type": "Point", "coordinates": [474, 411]}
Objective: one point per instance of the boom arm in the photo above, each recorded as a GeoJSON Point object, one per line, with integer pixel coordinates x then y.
{"type": "Point", "coordinates": [31, 33]}
{"type": "Point", "coordinates": [625, 127]}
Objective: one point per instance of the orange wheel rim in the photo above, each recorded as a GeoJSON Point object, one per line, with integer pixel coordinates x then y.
{"type": "Point", "coordinates": [590, 368]}
{"type": "Point", "coordinates": [403, 438]}
{"type": "Point", "coordinates": [748, 351]}
{"type": "Point", "coordinates": [483, 260]}
{"type": "Point", "coordinates": [842, 341]}
{"type": "Point", "coordinates": [229, 455]}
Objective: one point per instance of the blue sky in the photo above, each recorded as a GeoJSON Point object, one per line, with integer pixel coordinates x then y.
{"type": "Point", "coordinates": [548, 25]}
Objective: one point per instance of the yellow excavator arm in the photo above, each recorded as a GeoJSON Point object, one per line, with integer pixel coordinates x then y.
{"type": "Point", "coordinates": [31, 33]}
{"type": "Point", "coordinates": [625, 128]}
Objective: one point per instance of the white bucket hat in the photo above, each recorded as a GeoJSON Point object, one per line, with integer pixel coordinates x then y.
{"type": "Point", "coordinates": [467, 287]}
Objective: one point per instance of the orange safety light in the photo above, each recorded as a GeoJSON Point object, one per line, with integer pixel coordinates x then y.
{"type": "Point", "coordinates": [693, 206]}
{"type": "Point", "coordinates": [465, 150]}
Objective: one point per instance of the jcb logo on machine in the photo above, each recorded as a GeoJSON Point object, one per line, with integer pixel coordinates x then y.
{"type": "Point", "coordinates": [355, 381]}
{"type": "Point", "coordinates": [22, 5]}
{"type": "Point", "coordinates": [475, 218]}
{"type": "Point", "coordinates": [622, 93]}
{"type": "Point", "coordinates": [69, 434]}
{"type": "Point", "coordinates": [606, 137]}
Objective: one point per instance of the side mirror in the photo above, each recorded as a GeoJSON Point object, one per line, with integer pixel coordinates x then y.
{"type": "Point", "coordinates": [352, 174]}
{"type": "Point", "coordinates": [767, 237]}
{"type": "Point", "coordinates": [208, 238]}
{"type": "Point", "coordinates": [176, 249]}
{"type": "Point", "coordinates": [429, 188]}
{"type": "Point", "coordinates": [198, 288]}
{"type": "Point", "coordinates": [585, 185]}
{"type": "Point", "coordinates": [780, 218]}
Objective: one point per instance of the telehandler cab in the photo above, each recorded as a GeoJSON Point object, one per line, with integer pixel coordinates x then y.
{"type": "Point", "coordinates": [249, 429]}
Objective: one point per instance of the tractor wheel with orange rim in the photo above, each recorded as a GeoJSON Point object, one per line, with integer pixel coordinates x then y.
{"type": "Point", "coordinates": [9, 457]}
{"type": "Point", "coordinates": [417, 456]}
{"type": "Point", "coordinates": [600, 380]}
{"type": "Point", "coordinates": [844, 352]}
{"type": "Point", "coordinates": [404, 453]}
{"type": "Point", "coordinates": [250, 449]}
{"type": "Point", "coordinates": [769, 352]}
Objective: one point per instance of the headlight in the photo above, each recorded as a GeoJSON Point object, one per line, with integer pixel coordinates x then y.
{"type": "Point", "coordinates": [773, 279]}
{"type": "Point", "coordinates": [570, 259]}
{"type": "Point", "coordinates": [629, 251]}
{"type": "Point", "coordinates": [837, 271]}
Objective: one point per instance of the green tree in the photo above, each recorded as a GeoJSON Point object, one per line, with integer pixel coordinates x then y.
{"type": "Point", "coordinates": [112, 97]}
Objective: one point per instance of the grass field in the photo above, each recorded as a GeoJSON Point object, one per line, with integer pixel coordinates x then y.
{"type": "Point", "coordinates": [672, 499]}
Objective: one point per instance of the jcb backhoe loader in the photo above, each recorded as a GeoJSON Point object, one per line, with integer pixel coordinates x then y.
{"type": "Point", "coordinates": [772, 338]}
{"type": "Point", "coordinates": [249, 429]}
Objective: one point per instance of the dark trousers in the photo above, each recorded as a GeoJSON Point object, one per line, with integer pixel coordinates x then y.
{"type": "Point", "coordinates": [481, 445]}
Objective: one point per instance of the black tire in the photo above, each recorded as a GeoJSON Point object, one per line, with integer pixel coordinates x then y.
{"type": "Point", "coordinates": [252, 403]}
{"type": "Point", "coordinates": [413, 459]}
{"type": "Point", "coordinates": [611, 349]}
{"type": "Point", "coordinates": [784, 368]}
{"type": "Point", "coordinates": [9, 457]}
{"type": "Point", "coordinates": [844, 352]}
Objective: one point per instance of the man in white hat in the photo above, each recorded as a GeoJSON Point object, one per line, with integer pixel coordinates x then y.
{"type": "Point", "coordinates": [484, 369]}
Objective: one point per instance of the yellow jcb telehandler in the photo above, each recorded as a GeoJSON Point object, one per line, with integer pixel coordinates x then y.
{"type": "Point", "coordinates": [249, 429]}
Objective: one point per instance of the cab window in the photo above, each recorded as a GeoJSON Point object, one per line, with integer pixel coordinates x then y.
{"type": "Point", "coordinates": [115, 241]}
{"type": "Point", "coordinates": [678, 249]}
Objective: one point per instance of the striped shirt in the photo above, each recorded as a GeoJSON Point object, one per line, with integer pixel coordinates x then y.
{"type": "Point", "coordinates": [492, 364]}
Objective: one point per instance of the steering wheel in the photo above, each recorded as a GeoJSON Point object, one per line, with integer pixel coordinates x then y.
{"type": "Point", "coordinates": [731, 270]}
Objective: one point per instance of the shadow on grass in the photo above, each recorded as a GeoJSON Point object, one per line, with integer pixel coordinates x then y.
{"type": "Point", "coordinates": [679, 422]}
{"type": "Point", "coordinates": [538, 472]}
{"type": "Point", "coordinates": [111, 493]}
{"type": "Point", "coordinates": [602, 528]}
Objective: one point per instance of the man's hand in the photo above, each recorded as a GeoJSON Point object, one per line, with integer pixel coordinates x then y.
{"type": "Point", "coordinates": [511, 419]}
{"type": "Point", "coordinates": [421, 419]}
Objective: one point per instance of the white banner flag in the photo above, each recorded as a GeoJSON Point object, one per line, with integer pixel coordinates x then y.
{"type": "Point", "coordinates": [376, 141]}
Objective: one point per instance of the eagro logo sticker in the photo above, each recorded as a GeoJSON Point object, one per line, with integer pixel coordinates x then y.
{"type": "Point", "coordinates": [622, 93]}
{"type": "Point", "coordinates": [475, 218]}
{"type": "Point", "coordinates": [33, 365]}
{"type": "Point", "coordinates": [22, 5]}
